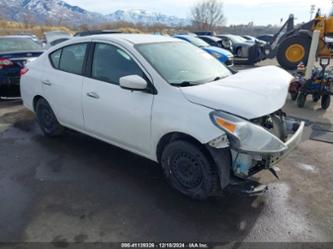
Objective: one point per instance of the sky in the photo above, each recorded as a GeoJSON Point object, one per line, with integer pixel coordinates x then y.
{"type": "Point", "coordinates": [261, 12]}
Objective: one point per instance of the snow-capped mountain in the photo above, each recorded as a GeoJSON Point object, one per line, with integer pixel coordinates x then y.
{"type": "Point", "coordinates": [146, 17]}
{"type": "Point", "coordinates": [60, 12]}
{"type": "Point", "coordinates": [50, 11]}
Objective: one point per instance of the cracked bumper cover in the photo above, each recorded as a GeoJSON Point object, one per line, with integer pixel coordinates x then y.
{"type": "Point", "coordinates": [244, 164]}
{"type": "Point", "coordinates": [291, 144]}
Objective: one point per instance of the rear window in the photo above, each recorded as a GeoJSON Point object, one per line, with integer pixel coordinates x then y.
{"type": "Point", "coordinates": [72, 58]}
{"type": "Point", "coordinates": [55, 58]}
{"type": "Point", "coordinates": [18, 44]}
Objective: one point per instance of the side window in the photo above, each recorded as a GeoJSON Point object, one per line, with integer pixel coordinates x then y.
{"type": "Point", "coordinates": [72, 58]}
{"type": "Point", "coordinates": [111, 63]}
{"type": "Point", "coordinates": [55, 58]}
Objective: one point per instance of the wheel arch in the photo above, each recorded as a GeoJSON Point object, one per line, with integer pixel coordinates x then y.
{"type": "Point", "coordinates": [35, 100]}
{"type": "Point", "coordinates": [221, 158]}
{"type": "Point", "coordinates": [173, 136]}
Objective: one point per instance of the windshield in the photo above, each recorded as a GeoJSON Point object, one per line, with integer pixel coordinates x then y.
{"type": "Point", "coordinates": [197, 42]}
{"type": "Point", "coordinates": [18, 44]}
{"type": "Point", "coordinates": [182, 64]}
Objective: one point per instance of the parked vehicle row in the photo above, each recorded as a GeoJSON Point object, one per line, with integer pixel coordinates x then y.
{"type": "Point", "coordinates": [169, 101]}
{"type": "Point", "coordinates": [218, 52]}
{"type": "Point", "coordinates": [247, 49]}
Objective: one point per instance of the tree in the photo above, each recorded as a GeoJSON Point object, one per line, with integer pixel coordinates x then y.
{"type": "Point", "coordinates": [207, 15]}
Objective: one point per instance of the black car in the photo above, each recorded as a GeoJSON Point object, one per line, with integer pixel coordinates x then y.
{"type": "Point", "coordinates": [15, 52]}
{"type": "Point", "coordinates": [243, 49]}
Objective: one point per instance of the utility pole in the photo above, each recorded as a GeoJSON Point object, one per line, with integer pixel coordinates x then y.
{"type": "Point", "coordinates": [312, 10]}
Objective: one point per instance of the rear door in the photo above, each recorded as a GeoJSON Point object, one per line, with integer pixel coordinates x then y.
{"type": "Point", "coordinates": [112, 113]}
{"type": "Point", "coordinates": [62, 84]}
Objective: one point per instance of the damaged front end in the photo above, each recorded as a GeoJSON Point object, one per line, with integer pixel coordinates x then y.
{"type": "Point", "coordinates": [256, 144]}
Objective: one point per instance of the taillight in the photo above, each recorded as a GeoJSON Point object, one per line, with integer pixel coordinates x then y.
{"type": "Point", "coordinates": [23, 71]}
{"type": "Point", "coordinates": [5, 62]}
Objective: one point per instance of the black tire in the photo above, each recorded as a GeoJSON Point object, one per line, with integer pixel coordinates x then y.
{"type": "Point", "coordinates": [47, 120]}
{"type": "Point", "coordinates": [189, 170]}
{"type": "Point", "coordinates": [325, 101]}
{"type": "Point", "coordinates": [316, 97]}
{"type": "Point", "coordinates": [301, 40]}
{"type": "Point", "coordinates": [293, 95]}
{"type": "Point", "coordinates": [301, 100]}
{"type": "Point", "coordinates": [239, 52]}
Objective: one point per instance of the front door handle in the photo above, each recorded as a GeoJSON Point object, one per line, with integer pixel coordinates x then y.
{"type": "Point", "coordinates": [93, 95]}
{"type": "Point", "coordinates": [47, 82]}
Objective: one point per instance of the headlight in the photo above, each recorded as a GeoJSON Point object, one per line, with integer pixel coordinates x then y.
{"type": "Point", "coordinates": [216, 55]}
{"type": "Point", "coordinates": [246, 136]}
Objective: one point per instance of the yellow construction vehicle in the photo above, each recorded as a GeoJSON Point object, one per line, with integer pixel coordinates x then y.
{"type": "Point", "coordinates": [292, 47]}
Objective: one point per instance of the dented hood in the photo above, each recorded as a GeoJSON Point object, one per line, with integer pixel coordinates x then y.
{"type": "Point", "coordinates": [250, 93]}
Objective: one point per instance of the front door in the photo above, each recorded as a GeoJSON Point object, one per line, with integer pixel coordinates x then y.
{"type": "Point", "coordinates": [120, 116]}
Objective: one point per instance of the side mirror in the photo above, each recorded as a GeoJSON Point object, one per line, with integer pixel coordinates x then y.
{"type": "Point", "coordinates": [133, 82]}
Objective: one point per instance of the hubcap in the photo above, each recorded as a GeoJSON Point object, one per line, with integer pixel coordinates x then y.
{"type": "Point", "coordinates": [187, 170]}
{"type": "Point", "coordinates": [295, 53]}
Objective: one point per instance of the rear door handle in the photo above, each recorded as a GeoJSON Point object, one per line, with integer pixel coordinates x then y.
{"type": "Point", "coordinates": [47, 82]}
{"type": "Point", "coordinates": [93, 95]}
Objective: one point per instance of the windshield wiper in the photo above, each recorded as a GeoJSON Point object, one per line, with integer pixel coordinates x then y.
{"type": "Point", "coordinates": [218, 78]}
{"type": "Point", "coordinates": [183, 84]}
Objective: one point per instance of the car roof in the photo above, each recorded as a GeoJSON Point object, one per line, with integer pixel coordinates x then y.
{"type": "Point", "coordinates": [134, 38]}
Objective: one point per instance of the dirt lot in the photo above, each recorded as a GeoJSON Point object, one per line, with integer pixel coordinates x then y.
{"type": "Point", "coordinates": [78, 189]}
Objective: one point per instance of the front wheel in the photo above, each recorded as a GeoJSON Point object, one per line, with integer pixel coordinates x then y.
{"type": "Point", "coordinates": [189, 170]}
{"type": "Point", "coordinates": [325, 101]}
{"type": "Point", "coordinates": [293, 50]}
{"type": "Point", "coordinates": [239, 52]}
{"type": "Point", "coordinates": [301, 100]}
{"type": "Point", "coordinates": [47, 120]}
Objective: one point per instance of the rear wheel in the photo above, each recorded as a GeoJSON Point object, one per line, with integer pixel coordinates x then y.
{"type": "Point", "coordinates": [189, 170]}
{"type": "Point", "coordinates": [47, 120]}
{"type": "Point", "coordinates": [293, 50]}
{"type": "Point", "coordinates": [301, 100]}
{"type": "Point", "coordinates": [325, 101]}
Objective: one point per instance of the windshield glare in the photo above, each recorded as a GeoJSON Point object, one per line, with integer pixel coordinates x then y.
{"type": "Point", "coordinates": [18, 44]}
{"type": "Point", "coordinates": [180, 62]}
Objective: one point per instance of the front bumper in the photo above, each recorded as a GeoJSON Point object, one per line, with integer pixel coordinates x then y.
{"type": "Point", "coordinates": [246, 164]}
{"type": "Point", "coordinates": [291, 144]}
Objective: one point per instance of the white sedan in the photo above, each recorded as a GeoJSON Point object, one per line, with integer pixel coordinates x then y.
{"type": "Point", "coordinates": [168, 101]}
